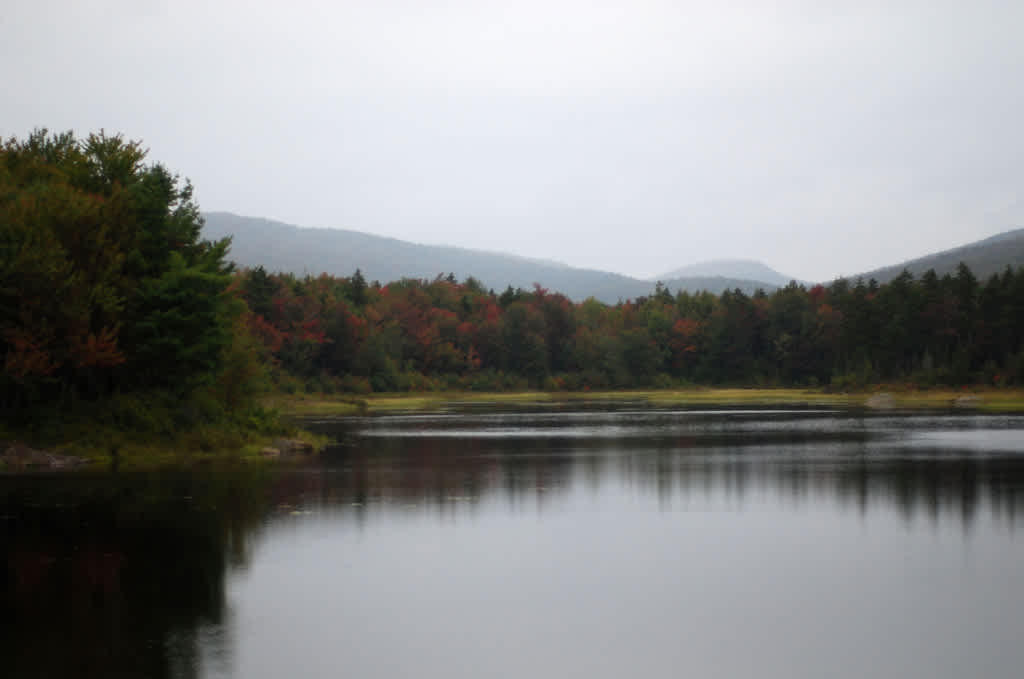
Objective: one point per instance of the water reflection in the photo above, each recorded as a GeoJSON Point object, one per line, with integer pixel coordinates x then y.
{"type": "Point", "coordinates": [166, 575]}
{"type": "Point", "coordinates": [930, 465]}
{"type": "Point", "coordinates": [107, 576]}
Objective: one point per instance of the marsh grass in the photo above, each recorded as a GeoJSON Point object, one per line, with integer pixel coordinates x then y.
{"type": "Point", "coordinates": [898, 398]}
{"type": "Point", "coordinates": [147, 434]}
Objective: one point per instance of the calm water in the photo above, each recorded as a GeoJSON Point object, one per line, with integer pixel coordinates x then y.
{"type": "Point", "coordinates": [603, 543]}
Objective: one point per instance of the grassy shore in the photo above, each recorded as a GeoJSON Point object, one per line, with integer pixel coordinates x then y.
{"type": "Point", "coordinates": [104, 446]}
{"type": "Point", "coordinates": [882, 397]}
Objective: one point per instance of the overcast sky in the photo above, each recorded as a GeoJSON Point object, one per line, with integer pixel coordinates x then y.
{"type": "Point", "coordinates": [823, 138]}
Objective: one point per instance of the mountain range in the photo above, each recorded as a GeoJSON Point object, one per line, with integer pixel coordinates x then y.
{"type": "Point", "coordinates": [984, 258]}
{"type": "Point", "coordinates": [282, 247]}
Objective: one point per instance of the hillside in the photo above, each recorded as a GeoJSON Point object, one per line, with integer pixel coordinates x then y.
{"type": "Point", "coordinates": [282, 247]}
{"type": "Point", "coordinates": [745, 269]}
{"type": "Point", "coordinates": [717, 284]}
{"type": "Point", "coordinates": [984, 257]}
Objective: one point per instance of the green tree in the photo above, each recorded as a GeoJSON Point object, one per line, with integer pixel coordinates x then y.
{"type": "Point", "coordinates": [104, 279]}
{"type": "Point", "coordinates": [522, 333]}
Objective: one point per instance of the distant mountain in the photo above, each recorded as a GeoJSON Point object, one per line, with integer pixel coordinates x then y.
{"type": "Point", "coordinates": [984, 257]}
{"type": "Point", "coordinates": [745, 269]}
{"type": "Point", "coordinates": [717, 284]}
{"type": "Point", "coordinates": [282, 247]}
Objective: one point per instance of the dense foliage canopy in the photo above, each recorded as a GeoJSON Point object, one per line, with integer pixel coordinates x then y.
{"type": "Point", "coordinates": [417, 334]}
{"type": "Point", "coordinates": [107, 287]}
{"type": "Point", "coordinates": [105, 283]}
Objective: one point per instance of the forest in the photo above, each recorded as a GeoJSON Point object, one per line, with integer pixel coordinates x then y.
{"type": "Point", "coordinates": [109, 295]}
{"type": "Point", "coordinates": [344, 334]}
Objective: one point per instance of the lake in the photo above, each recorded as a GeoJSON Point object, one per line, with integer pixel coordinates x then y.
{"type": "Point", "coordinates": [607, 541]}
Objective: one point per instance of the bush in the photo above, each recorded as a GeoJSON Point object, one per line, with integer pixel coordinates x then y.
{"type": "Point", "coordinates": [594, 379]}
{"type": "Point", "coordinates": [663, 381]}
{"type": "Point", "coordinates": [355, 385]}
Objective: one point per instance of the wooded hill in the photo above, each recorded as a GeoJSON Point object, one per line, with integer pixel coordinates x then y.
{"type": "Point", "coordinates": [743, 269]}
{"type": "Point", "coordinates": [279, 247]}
{"type": "Point", "coordinates": [984, 258]}
{"type": "Point", "coordinates": [284, 248]}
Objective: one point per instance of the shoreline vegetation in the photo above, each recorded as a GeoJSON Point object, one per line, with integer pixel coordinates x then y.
{"type": "Point", "coordinates": [106, 448]}
{"type": "Point", "coordinates": [988, 400]}
{"type": "Point", "coordinates": [128, 339]}
{"type": "Point", "coordinates": [88, 446]}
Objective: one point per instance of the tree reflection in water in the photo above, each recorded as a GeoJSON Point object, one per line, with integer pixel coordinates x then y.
{"type": "Point", "coordinates": [110, 576]}
{"type": "Point", "coordinates": [125, 574]}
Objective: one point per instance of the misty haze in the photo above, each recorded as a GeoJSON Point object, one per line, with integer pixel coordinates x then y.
{"type": "Point", "coordinates": [627, 138]}
{"type": "Point", "coordinates": [490, 339]}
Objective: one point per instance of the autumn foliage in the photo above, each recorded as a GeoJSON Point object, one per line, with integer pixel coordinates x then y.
{"type": "Point", "coordinates": [107, 288]}
{"type": "Point", "coordinates": [340, 333]}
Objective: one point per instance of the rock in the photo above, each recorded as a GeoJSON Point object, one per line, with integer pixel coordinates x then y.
{"type": "Point", "coordinates": [20, 457]}
{"type": "Point", "coordinates": [967, 401]}
{"type": "Point", "coordinates": [879, 401]}
{"type": "Point", "coordinates": [293, 447]}
{"type": "Point", "coordinates": [270, 453]}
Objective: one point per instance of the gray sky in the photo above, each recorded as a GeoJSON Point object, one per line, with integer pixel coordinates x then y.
{"type": "Point", "coordinates": [823, 138]}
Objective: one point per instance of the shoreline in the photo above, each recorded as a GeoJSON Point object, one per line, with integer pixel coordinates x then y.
{"type": "Point", "coordinates": [26, 454]}
{"type": "Point", "coordinates": [884, 397]}
{"type": "Point", "coordinates": [105, 448]}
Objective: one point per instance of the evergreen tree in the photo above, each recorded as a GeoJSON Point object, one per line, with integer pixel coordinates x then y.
{"type": "Point", "coordinates": [105, 282]}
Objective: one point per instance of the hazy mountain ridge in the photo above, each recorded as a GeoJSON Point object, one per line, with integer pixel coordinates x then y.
{"type": "Point", "coordinates": [745, 269]}
{"type": "Point", "coordinates": [282, 247]}
{"type": "Point", "coordinates": [984, 258]}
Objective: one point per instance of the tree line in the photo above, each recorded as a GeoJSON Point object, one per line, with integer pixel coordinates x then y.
{"type": "Point", "coordinates": [108, 288]}
{"type": "Point", "coordinates": [428, 334]}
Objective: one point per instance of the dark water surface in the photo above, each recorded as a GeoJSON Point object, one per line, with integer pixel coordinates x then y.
{"type": "Point", "coordinates": [597, 543]}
